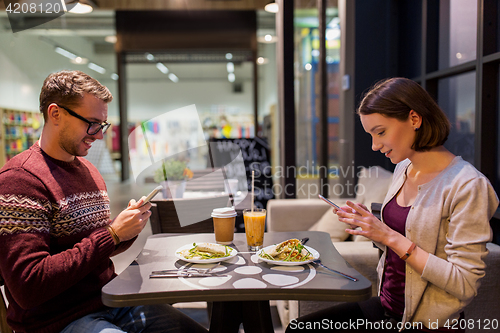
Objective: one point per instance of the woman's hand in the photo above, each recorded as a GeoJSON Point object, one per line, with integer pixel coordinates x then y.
{"type": "Point", "coordinates": [358, 215]}
{"type": "Point", "coordinates": [349, 209]}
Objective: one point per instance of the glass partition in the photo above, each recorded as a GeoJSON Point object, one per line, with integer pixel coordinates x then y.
{"type": "Point", "coordinates": [457, 98]}
{"type": "Point", "coordinates": [457, 32]}
{"type": "Point", "coordinates": [307, 94]}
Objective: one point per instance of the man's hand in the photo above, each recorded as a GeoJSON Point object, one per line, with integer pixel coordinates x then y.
{"type": "Point", "coordinates": [130, 222]}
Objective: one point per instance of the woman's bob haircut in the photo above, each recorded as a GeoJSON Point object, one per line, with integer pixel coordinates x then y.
{"type": "Point", "coordinates": [396, 97]}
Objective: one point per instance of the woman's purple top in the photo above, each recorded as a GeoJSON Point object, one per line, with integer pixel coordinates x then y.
{"type": "Point", "coordinates": [392, 294]}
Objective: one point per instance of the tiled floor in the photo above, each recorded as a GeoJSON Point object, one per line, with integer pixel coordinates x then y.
{"type": "Point", "coordinates": [120, 194]}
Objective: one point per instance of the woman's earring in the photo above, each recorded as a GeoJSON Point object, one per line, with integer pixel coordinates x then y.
{"type": "Point", "coordinates": [417, 128]}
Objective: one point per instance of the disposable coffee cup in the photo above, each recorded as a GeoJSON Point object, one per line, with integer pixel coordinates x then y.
{"type": "Point", "coordinates": [224, 219]}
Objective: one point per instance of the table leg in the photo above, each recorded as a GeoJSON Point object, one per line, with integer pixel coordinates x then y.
{"type": "Point", "coordinates": [226, 317]}
{"type": "Point", "coordinates": [257, 317]}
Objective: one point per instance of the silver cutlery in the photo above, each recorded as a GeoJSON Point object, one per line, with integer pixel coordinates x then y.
{"type": "Point", "coordinates": [318, 262]}
{"type": "Point", "coordinates": [212, 268]}
{"type": "Point", "coordinates": [184, 274]}
{"type": "Point", "coordinates": [186, 271]}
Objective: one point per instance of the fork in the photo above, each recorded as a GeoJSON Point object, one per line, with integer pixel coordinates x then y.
{"type": "Point", "coordinates": [318, 262]}
{"type": "Point", "coordinates": [211, 268]}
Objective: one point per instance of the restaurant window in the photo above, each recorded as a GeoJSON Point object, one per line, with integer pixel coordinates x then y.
{"type": "Point", "coordinates": [307, 94]}
{"type": "Point", "coordinates": [457, 99]}
{"type": "Point", "coordinates": [457, 32]}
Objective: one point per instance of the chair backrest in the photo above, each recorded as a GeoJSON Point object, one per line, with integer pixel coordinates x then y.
{"type": "Point", "coordinates": [195, 214]}
{"type": "Point", "coordinates": [4, 327]}
{"type": "Point", "coordinates": [376, 207]}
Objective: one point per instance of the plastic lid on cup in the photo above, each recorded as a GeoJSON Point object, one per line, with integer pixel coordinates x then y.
{"type": "Point", "coordinates": [224, 212]}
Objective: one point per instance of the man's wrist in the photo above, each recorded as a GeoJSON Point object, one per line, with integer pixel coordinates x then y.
{"type": "Point", "coordinates": [113, 234]}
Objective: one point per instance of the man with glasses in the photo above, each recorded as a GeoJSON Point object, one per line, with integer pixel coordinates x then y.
{"type": "Point", "coordinates": [56, 236]}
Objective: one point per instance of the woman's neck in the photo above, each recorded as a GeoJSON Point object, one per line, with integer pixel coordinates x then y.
{"type": "Point", "coordinates": [430, 162]}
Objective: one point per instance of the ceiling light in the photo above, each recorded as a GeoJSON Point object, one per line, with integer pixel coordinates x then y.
{"type": "Point", "coordinates": [81, 7]}
{"type": "Point", "coordinates": [96, 68]}
{"type": "Point", "coordinates": [229, 56]}
{"type": "Point", "coordinates": [115, 76]}
{"type": "Point", "coordinates": [110, 39]}
{"type": "Point", "coordinates": [262, 61]}
{"type": "Point", "coordinates": [162, 68]}
{"type": "Point", "coordinates": [267, 39]}
{"type": "Point", "coordinates": [173, 77]}
{"type": "Point", "coordinates": [230, 67]}
{"type": "Point", "coordinates": [272, 7]}
{"type": "Point", "coordinates": [65, 53]}
{"type": "Point", "coordinates": [231, 77]}
{"type": "Point", "coordinates": [149, 56]}
{"type": "Point", "coordinates": [79, 61]}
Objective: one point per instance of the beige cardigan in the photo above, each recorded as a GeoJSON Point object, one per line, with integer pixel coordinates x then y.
{"type": "Point", "coordinates": [450, 220]}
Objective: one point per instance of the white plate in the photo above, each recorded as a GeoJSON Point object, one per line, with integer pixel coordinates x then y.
{"type": "Point", "coordinates": [314, 253]}
{"type": "Point", "coordinates": [203, 261]}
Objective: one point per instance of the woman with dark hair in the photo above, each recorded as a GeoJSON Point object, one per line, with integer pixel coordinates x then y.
{"type": "Point", "coordinates": [434, 221]}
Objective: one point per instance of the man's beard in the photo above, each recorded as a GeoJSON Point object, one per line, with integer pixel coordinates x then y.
{"type": "Point", "coordinates": [69, 145]}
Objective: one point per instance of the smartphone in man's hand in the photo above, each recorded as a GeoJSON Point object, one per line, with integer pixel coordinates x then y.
{"type": "Point", "coordinates": [152, 194]}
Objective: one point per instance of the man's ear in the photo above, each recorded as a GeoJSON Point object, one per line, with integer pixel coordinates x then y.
{"type": "Point", "coordinates": [54, 113]}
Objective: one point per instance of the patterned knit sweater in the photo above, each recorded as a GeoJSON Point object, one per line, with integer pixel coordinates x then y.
{"type": "Point", "coordinates": [55, 249]}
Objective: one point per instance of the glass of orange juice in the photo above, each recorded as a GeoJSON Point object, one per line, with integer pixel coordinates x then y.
{"type": "Point", "coordinates": [255, 223]}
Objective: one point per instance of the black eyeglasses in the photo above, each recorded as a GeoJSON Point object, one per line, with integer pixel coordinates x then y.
{"type": "Point", "coordinates": [94, 127]}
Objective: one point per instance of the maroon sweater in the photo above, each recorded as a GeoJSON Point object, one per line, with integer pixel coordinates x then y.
{"type": "Point", "coordinates": [55, 249]}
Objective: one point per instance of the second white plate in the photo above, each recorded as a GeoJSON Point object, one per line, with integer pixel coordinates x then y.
{"type": "Point", "coordinates": [314, 253]}
{"type": "Point", "coordinates": [203, 261]}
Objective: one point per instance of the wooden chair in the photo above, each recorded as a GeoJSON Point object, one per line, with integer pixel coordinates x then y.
{"type": "Point", "coordinates": [165, 214]}
{"type": "Point", "coordinates": [4, 327]}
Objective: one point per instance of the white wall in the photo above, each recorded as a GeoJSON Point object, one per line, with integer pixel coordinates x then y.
{"type": "Point", "coordinates": [149, 99]}
{"type": "Point", "coordinates": [26, 60]}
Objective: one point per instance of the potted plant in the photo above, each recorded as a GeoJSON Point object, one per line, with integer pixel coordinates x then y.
{"type": "Point", "coordinates": [172, 175]}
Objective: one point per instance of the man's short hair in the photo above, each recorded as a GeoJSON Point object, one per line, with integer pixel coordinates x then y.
{"type": "Point", "coordinates": [67, 88]}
